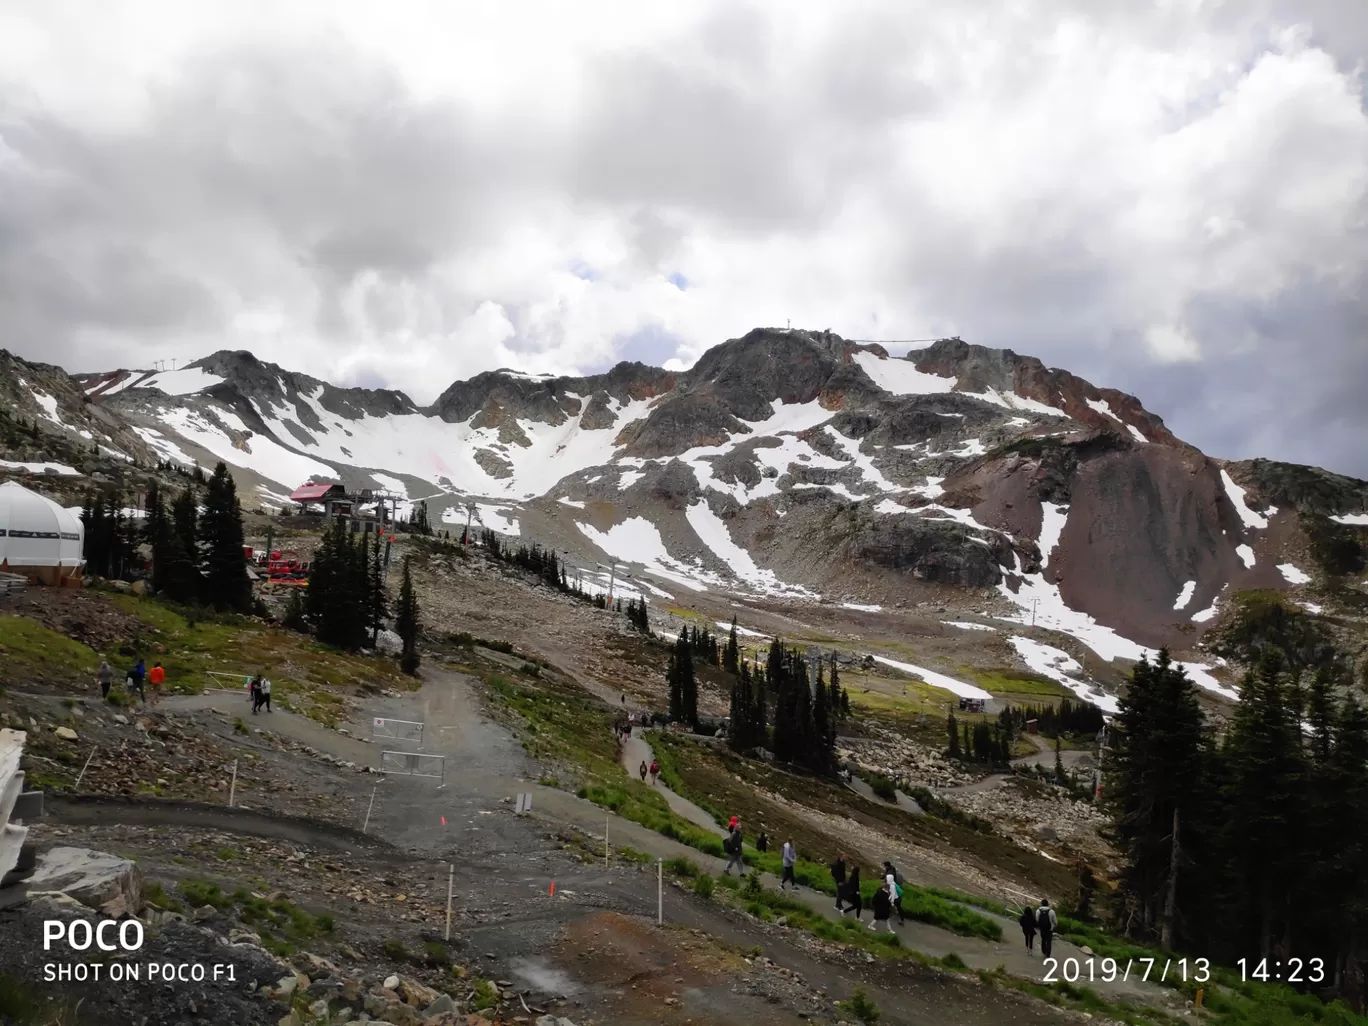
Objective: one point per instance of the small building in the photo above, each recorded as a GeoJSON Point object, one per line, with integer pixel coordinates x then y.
{"type": "Point", "coordinates": [330, 495]}
{"type": "Point", "coordinates": [39, 539]}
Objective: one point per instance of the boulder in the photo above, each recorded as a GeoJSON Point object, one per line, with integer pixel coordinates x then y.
{"type": "Point", "coordinates": [96, 879]}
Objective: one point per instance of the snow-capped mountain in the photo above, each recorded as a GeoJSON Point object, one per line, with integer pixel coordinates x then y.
{"type": "Point", "coordinates": [789, 464]}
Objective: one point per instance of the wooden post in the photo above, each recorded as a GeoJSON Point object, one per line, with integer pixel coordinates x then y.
{"type": "Point", "coordinates": [451, 879]}
{"type": "Point", "coordinates": [80, 775]}
{"type": "Point", "coordinates": [370, 806]}
{"type": "Point", "coordinates": [660, 892]}
{"type": "Point", "coordinates": [232, 788]}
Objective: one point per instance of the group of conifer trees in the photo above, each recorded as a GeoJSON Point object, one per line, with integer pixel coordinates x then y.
{"type": "Point", "coordinates": [1069, 717]}
{"type": "Point", "coordinates": [346, 602]}
{"type": "Point", "coordinates": [197, 553]}
{"type": "Point", "coordinates": [1249, 844]}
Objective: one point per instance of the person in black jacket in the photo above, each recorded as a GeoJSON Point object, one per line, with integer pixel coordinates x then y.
{"type": "Point", "coordinates": [882, 903]}
{"type": "Point", "coordinates": [838, 874]}
{"type": "Point", "coordinates": [852, 893]}
{"type": "Point", "coordinates": [1028, 926]}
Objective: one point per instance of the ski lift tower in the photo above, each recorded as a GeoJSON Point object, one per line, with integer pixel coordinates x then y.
{"type": "Point", "coordinates": [612, 569]}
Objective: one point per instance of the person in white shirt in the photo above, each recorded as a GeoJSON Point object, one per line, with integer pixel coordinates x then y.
{"type": "Point", "coordinates": [790, 857]}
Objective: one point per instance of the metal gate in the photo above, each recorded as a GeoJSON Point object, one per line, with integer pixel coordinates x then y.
{"type": "Point", "coordinates": [414, 764]}
{"type": "Point", "coordinates": [384, 729]}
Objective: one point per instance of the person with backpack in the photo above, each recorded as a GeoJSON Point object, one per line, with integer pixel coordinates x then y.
{"type": "Point", "coordinates": [882, 904]}
{"type": "Point", "coordinates": [894, 890]}
{"type": "Point", "coordinates": [732, 846]}
{"type": "Point", "coordinates": [136, 680]}
{"type": "Point", "coordinates": [851, 893]}
{"type": "Point", "coordinates": [105, 675]}
{"type": "Point", "coordinates": [790, 857]}
{"type": "Point", "coordinates": [1028, 926]}
{"type": "Point", "coordinates": [838, 874]}
{"type": "Point", "coordinates": [1046, 922]}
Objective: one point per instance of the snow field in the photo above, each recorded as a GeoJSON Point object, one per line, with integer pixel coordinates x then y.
{"type": "Point", "coordinates": [1058, 665]}
{"type": "Point", "coordinates": [936, 680]}
{"type": "Point", "coordinates": [1236, 494]}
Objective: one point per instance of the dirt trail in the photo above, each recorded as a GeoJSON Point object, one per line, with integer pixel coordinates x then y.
{"type": "Point", "coordinates": [485, 766]}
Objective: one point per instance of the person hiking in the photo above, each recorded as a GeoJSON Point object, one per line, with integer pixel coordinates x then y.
{"type": "Point", "coordinates": [732, 846]}
{"type": "Point", "coordinates": [838, 874]}
{"type": "Point", "coordinates": [105, 675]}
{"type": "Point", "coordinates": [266, 693]}
{"type": "Point", "coordinates": [1028, 926]}
{"type": "Point", "coordinates": [762, 842]}
{"type": "Point", "coordinates": [138, 677]}
{"type": "Point", "coordinates": [641, 771]}
{"type": "Point", "coordinates": [894, 890]}
{"type": "Point", "coordinates": [1046, 922]}
{"type": "Point", "coordinates": [882, 904]}
{"type": "Point", "coordinates": [157, 678]}
{"type": "Point", "coordinates": [852, 894]}
{"type": "Point", "coordinates": [790, 857]}
{"type": "Point", "coordinates": [655, 771]}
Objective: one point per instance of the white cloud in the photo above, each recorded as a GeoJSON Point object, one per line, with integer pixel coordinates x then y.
{"type": "Point", "coordinates": [423, 191]}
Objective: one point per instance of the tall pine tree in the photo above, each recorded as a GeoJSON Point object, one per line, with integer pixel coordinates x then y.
{"type": "Point", "coordinates": [226, 585]}
{"type": "Point", "coordinates": [406, 622]}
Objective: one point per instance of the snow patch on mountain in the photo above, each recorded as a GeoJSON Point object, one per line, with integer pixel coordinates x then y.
{"type": "Point", "coordinates": [186, 381]}
{"type": "Point", "coordinates": [637, 540]}
{"type": "Point", "coordinates": [936, 680]}
{"type": "Point", "coordinates": [259, 453]}
{"type": "Point", "coordinates": [901, 377]}
{"type": "Point", "coordinates": [714, 534]}
{"type": "Point", "coordinates": [41, 468]}
{"type": "Point", "coordinates": [1236, 495]}
{"type": "Point", "coordinates": [1053, 519]}
{"type": "Point", "coordinates": [1058, 665]}
{"type": "Point", "coordinates": [1293, 575]}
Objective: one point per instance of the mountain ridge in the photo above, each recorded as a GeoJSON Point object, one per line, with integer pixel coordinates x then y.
{"type": "Point", "coordinates": [790, 465]}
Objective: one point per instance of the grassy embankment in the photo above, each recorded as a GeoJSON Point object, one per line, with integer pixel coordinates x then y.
{"type": "Point", "coordinates": [307, 677]}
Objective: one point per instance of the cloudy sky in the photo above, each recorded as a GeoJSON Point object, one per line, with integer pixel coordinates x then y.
{"type": "Point", "coordinates": [1167, 197]}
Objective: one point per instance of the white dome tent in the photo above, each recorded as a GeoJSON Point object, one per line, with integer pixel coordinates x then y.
{"type": "Point", "coordinates": [38, 538]}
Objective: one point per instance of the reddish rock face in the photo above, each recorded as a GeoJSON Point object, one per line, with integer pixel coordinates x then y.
{"type": "Point", "coordinates": [979, 368]}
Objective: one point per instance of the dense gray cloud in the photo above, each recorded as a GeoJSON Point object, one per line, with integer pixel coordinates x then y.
{"type": "Point", "coordinates": [1168, 201]}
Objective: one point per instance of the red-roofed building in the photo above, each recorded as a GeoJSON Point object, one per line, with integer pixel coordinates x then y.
{"type": "Point", "coordinates": [328, 494]}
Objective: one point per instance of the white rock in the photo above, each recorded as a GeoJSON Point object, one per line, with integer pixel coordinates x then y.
{"type": "Point", "coordinates": [96, 879]}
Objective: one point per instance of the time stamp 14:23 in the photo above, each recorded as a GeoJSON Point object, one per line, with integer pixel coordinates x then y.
{"type": "Point", "coordinates": [1180, 970]}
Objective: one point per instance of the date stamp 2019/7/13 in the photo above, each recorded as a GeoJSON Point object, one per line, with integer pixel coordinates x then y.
{"type": "Point", "coordinates": [1110, 970]}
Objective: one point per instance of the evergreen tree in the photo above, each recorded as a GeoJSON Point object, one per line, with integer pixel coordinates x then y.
{"type": "Point", "coordinates": [731, 653]}
{"type": "Point", "coordinates": [184, 583]}
{"type": "Point", "coordinates": [379, 600]}
{"type": "Point", "coordinates": [226, 584]}
{"type": "Point", "coordinates": [1155, 780]}
{"type": "Point", "coordinates": [157, 535]}
{"type": "Point", "coordinates": [406, 622]}
{"type": "Point", "coordinates": [1265, 809]}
